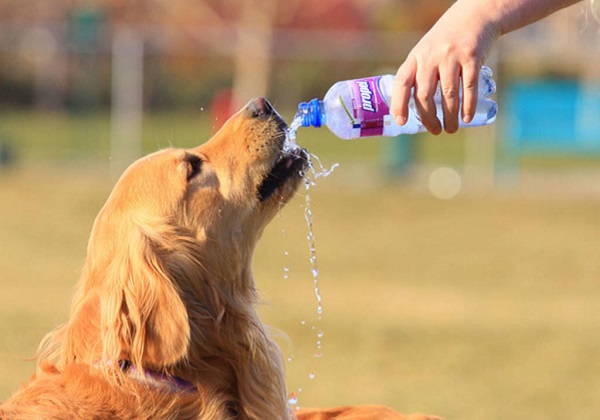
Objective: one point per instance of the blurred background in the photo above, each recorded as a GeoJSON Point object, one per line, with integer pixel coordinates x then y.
{"type": "Point", "coordinates": [460, 275]}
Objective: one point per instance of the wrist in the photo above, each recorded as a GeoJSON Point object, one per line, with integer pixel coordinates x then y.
{"type": "Point", "coordinates": [483, 18]}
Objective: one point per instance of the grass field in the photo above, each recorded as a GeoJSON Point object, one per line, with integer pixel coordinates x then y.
{"type": "Point", "coordinates": [481, 307]}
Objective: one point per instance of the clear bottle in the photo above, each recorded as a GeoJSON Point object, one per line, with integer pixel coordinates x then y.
{"type": "Point", "coordinates": [358, 108]}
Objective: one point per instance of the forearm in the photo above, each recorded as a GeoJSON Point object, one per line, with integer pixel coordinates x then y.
{"type": "Point", "coordinates": [508, 15]}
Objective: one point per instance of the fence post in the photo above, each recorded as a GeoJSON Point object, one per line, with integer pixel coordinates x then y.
{"type": "Point", "coordinates": [253, 51]}
{"type": "Point", "coordinates": [127, 98]}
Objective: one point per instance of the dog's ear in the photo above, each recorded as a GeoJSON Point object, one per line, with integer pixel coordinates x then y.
{"type": "Point", "coordinates": [143, 316]}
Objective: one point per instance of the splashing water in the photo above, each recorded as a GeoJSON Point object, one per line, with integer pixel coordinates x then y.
{"type": "Point", "coordinates": [290, 135]}
{"type": "Point", "coordinates": [309, 181]}
{"type": "Point", "coordinates": [288, 146]}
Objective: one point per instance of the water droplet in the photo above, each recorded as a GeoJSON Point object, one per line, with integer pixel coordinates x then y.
{"type": "Point", "coordinates": [318, 355]}
{"type": "Point", "coordinates": [311, 375]}
{"type": "Point", "coordinates": [293, 399]}
{"type": "Point", "coordinates": [303, 322]}
{"type": "Point", "coordinates": [320, 334]}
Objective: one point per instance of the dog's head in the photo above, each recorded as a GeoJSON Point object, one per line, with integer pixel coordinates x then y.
{"type": "Point", "coordinates": [175, 218]}
{"type": "Point", "coordinates": [226, 189]}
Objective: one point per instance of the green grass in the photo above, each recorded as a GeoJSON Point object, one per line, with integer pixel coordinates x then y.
{"type": "Point", "coordinates": [482, 307]}
{"type": "Point", "coordinates": [476, 308]}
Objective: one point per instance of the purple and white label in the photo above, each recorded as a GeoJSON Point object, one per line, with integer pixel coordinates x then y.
{"type": "Point", "coordinates": [368, 105]}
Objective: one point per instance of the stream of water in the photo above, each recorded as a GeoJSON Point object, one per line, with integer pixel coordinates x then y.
{"type": "Point", "coordinates": [316, 170]}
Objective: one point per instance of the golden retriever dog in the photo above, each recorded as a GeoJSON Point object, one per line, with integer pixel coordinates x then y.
{"type": "Point", "coordinates": [163, 322]}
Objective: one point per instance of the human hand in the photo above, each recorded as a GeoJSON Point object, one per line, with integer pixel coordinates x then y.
{"type": "Point", "coordinates": [451, 53]}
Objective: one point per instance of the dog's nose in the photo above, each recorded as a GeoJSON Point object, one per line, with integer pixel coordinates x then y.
{"type": "Point", "coordinates": [260, 107]}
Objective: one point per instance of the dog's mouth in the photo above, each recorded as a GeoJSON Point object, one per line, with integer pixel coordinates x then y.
{"type": "Point", "coordinates": [289, 165]}
{"type": "Point", "coordinates": [290, 159]}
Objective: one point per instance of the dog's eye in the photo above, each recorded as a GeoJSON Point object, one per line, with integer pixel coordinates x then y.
{"type": "Point", "coordinates": [194, 164]}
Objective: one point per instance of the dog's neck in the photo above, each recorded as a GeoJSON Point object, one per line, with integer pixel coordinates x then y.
{"type": "Point", "coordinates": [156, 379]}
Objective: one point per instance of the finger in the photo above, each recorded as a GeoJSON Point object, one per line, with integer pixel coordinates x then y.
{"type": "Point", "coordinates": [424, 92]}
{"type": "Point", "coordinates": [449, 85]}
{"type": "Point", "coordinates": [470, 83]}
{"type": "Point", "coordinates": [401, 90]}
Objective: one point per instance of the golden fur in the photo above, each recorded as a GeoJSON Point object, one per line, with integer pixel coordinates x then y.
{"type": "Point", "coordinates": [167, 296]}
{"type": "Point", "coordinates": [366, 412]}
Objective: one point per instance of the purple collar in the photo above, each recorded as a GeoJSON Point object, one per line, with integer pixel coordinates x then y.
{"type": "Point", "coordinates": [157, 379]}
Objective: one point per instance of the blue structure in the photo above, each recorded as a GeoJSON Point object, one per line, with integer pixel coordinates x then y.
{"type": "Point", "coordinates": [398, 154]}
{"type": "Point", "coordinates": [552, 117]}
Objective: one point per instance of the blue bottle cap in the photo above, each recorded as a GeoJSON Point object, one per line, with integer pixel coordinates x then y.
{"type": "Point", "coordinates": [311, 113]}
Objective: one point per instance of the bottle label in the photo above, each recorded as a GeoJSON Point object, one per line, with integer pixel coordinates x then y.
{"type": "Point", "coordinates": [369, 106]}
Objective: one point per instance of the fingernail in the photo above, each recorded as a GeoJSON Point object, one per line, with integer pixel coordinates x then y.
{"type": "Point", "coordinates": [400, 120]}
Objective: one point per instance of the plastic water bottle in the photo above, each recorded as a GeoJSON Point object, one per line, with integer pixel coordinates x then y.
{"type": "Point", "coordinates": [360, 108]}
